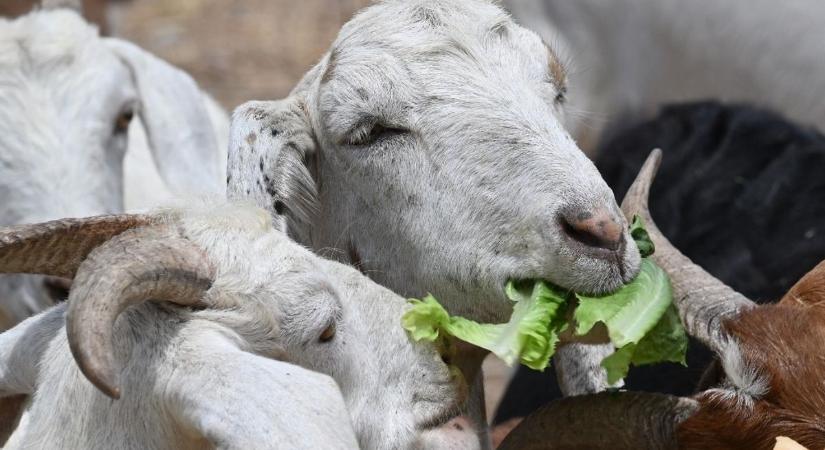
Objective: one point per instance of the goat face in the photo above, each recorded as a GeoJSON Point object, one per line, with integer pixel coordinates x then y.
{"type": "Point", "coordinates": [330, 318]}
{"type": "Point", "coordinates": [67, 97]}
{"type": "Point", "coordinates": [427, 149]}
{"type": "Point", "coordinates": [257, 292]}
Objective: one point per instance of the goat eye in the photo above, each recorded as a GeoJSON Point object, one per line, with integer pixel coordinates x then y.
{"type": "Point", "coordinates": [328, 333]}
{"type": "Point", "coordinates": [123, 121]}
{"type": "Point", "coordinates": [372, 133]}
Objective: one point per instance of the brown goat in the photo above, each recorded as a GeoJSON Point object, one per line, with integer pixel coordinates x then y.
{"type": "Point", "coordinates": [770, 374]}
{"type": "Point", "coordinates": [782, 346]}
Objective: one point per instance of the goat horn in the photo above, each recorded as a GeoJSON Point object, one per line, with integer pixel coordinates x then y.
{"type": "Point", "coordinates": [153, 263]}
{"type": "Point", "coordinates": [702, 300]}
{"type": "Point", "coordinates": [76, 5]}
{"type": "Point", "coordinates": [635, 420]}
{"type": "Point", "coordinates": [57, 248]}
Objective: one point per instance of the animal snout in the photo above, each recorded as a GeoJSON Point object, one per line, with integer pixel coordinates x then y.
{"type": "Point", "coordinates": [597, 229]}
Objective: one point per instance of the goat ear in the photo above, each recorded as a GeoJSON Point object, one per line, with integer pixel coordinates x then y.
{"type": "Point", "coordinates": [174, 112]}
{"type": "Point", "coordinates": [272, 156]}
{"type": "Point", "coordinates": [808, 291]}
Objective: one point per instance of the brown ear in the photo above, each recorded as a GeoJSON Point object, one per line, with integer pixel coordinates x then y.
{"type": "Point", "coordinates": [808, 291]}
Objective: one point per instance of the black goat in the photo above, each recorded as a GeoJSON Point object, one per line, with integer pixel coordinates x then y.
{"type": "Point", "coordinates": [741, 191]}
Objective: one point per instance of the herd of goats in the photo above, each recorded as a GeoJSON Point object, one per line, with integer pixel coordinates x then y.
{"type": "Point", "coordinates": [184, 281]}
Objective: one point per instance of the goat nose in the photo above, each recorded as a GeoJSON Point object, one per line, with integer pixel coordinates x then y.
{"type": "Point", "coordinates": [599, 228]}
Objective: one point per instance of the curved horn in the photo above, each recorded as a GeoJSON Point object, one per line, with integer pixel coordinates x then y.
{"type": "Point", "coordinates": [702, 300]}
{"type": "Point", "coordinates": [76, 5]}
{"type": "Point", "coordinates": [139, 265]}
{"type": "Point", "coordinates": [603, 421]}
{"type": "Point", "coordinates": [57, 248]}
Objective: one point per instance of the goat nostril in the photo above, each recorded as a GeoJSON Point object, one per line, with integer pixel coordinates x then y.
{"type": "Point", "coordinates": [599, 229]}
{"type": "Point", "coordinates": [57, 288]}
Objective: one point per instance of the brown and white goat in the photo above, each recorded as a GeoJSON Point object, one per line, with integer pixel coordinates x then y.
{"type": "Point", "coordinates": [769, 380]}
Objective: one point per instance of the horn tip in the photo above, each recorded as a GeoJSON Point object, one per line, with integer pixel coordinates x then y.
{"type": "Point", "coordinates": [108, 384]}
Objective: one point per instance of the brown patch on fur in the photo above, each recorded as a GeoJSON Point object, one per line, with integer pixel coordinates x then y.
{"type": "Point", "coordinates": [557, 71]}
{"type": "Point", "coordinates": [784, 343]}
{"type": "Point", "coordinates": [251, 138]}
{"type": "Point", "coordinates": [809, 291]}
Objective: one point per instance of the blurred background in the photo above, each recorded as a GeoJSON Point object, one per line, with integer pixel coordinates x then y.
{"type": "Point", "coordinates": [237, 51]}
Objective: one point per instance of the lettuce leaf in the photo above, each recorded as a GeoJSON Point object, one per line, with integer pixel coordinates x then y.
{"type": "Point", "coordinates": [641, 321]}
{"type": "Point", "coordinates": [642, 238]}
{"type": "Point", "coordinates": [530, 336]}
{"type": "Point", "coordinates": [630, 312]}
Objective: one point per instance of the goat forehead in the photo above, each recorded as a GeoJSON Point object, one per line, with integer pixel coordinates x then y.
{"type": "Point", "coordinates": [240, 238]}
{"type": "Point", "coordinates": [410, 31]}
{"type": "Point", "coordinates": [401, 20]}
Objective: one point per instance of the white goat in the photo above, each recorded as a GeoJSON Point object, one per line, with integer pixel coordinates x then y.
{"type": "Point", "coordinates": [637, 54]}
{"type": "Point", "coordinates": [67, 97]}
{"type": "Point", "coordinates": [206, 362]}
{"type": "Point", "coordinates": [426, 149]}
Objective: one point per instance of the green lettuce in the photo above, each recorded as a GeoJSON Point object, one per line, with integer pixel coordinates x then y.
{"type": "Point", "coordinates": [640, 319]}
{"type": "Point", "coordinates": [530, 336]}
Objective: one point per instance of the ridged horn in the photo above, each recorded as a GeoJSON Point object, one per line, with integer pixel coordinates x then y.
{"type": "Point", "coordinates": [702, 300]}
{"type": "Point", "coordinates": [58, 247]}
{"type": "Point", "coordinates": [153, 263]}
{"type": "Point", "coordinates": [605, 421]}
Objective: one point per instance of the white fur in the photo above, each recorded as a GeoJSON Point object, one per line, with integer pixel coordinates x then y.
{"type": "Point", "coordinates": [744, 383]}
{"type": "Point", "coordinates": [245, 372]}
{"type": "Point", "coordinates": [469, 196]}
{"type": "Point", "coordinates": [634, 55]}
{"type": "Point", "coordinates": [62, 88]}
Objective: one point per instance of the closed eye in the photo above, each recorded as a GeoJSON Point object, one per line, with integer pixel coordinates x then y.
{"type": "Point", "coordinates": [372, 132]}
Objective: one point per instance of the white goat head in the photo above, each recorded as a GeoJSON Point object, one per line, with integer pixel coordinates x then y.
{"type": "Point", "coordinates": [426, 147]}
{"type": "Point", "coordinates": [67, 97]}
{"type": "Point", "coordinates": [250, 296]}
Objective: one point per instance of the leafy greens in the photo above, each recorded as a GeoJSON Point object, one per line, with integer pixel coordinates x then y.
{"type": "Point", "coordinates": [640, 318]}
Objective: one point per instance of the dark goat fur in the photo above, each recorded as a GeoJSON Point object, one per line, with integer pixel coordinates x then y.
{"type": "Point", "coordinates": [741, 191]}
